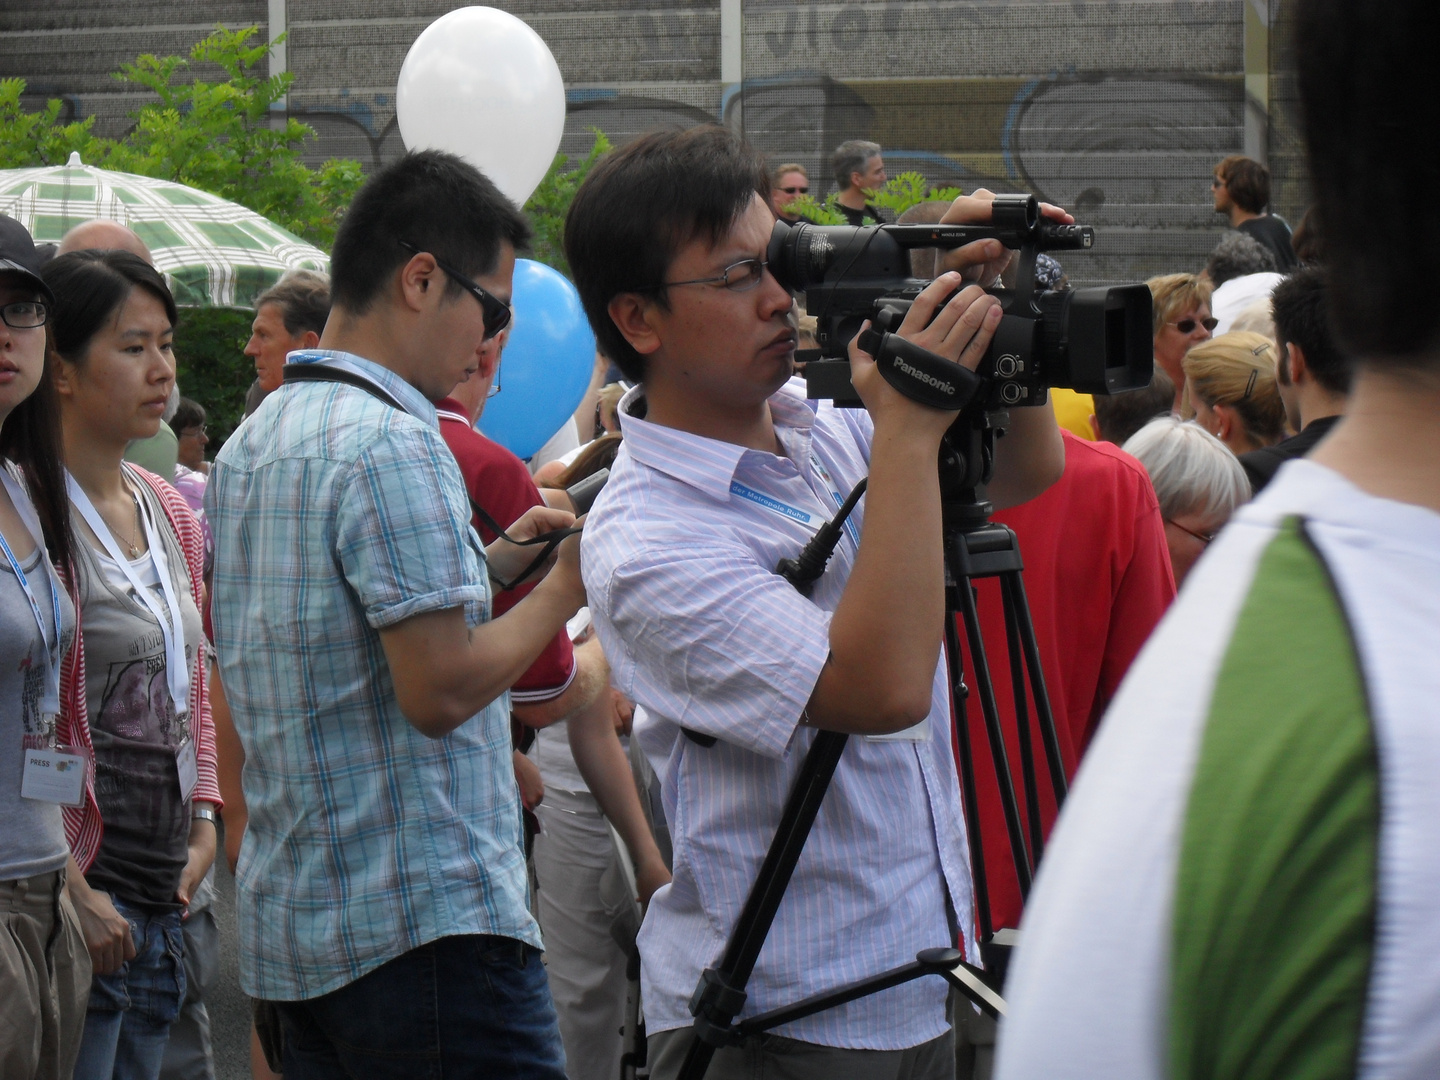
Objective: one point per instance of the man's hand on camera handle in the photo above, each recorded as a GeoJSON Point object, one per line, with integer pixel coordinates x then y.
{"type": "Point", "coordinates": [959, 329]}
{"type": "Point", "coordinates": [984, 260]}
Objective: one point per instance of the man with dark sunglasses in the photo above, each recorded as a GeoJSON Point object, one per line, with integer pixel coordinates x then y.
{"type": "Point", "coordinates": [382, 873]}
{"type": "Point", "coordinates": [788, 182]}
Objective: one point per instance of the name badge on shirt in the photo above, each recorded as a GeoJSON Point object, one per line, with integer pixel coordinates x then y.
{"type": "Point", "coordinates": [189, 769]}
{"type": "Point", "coordinates": [919, 733]}
{"type": "Point", "coordinates": [55, 775]}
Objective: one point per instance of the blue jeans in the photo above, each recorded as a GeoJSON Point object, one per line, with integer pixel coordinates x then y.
{"type": "Point", "coordinates": [127, 1023]}
{"type": "Point", "coordinates": [472, 1005]}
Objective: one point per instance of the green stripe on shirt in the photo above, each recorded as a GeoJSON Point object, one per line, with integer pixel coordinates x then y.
{"type": "Point", "coordinates": [1274, 911]}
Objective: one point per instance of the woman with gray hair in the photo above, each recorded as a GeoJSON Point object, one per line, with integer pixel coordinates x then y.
{"type": "Point", "coordinates": [1198, 481]}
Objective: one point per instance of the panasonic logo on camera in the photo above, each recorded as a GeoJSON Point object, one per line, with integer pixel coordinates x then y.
{"type": "Point", "coordinates": [928, 380]}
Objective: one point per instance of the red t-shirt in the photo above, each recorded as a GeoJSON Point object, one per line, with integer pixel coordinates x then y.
{"type": "Point", "coordinates": [1098, 578]}
{"type": "Point", "coordinates": [500, 482]}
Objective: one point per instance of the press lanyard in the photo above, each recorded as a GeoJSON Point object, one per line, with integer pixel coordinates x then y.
{"type": "Point", "coordinates": [177, 672]}
{"type": "Point", "coordinates": [50, 703]}
{"type": "Point", "coordinates": [794, 513]}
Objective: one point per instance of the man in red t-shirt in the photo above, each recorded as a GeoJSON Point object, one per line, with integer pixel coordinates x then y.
{"type": "Point", "coordinates": [1098, 578]}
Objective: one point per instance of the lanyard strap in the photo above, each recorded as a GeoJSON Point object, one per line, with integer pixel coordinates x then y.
{"type": "Point", "coordinates": [50, 704]}
{"type": "Point", "coordinates": [172, 628]}
{"type": "Point", "coordinates": [795, 513]}
{"type": "Point", "coordinates": [850, 529]}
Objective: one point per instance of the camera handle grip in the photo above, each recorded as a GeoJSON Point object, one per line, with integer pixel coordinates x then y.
{"type": "Point", "coordinates": [920, 374]}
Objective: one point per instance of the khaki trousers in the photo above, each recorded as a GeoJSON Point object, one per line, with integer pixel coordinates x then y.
{"type": "Point", "coordinates": [44, 979]}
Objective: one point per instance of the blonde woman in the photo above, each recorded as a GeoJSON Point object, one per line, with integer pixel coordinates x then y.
{"type": "Point", "coordinates": [1181, 305]}
{"type": "Point", "coordinates": [1231, 390]}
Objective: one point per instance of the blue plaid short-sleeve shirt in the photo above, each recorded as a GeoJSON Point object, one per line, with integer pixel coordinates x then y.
{"type": "Point", "coordinates": [335, 516]}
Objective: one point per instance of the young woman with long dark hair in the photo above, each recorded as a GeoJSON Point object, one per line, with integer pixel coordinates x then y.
{"type": "Point", "coordinates": [134, 690]}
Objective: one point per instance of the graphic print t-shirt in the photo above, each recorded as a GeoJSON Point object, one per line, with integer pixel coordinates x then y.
{"type": "Point", "coordinates": [134, 725]}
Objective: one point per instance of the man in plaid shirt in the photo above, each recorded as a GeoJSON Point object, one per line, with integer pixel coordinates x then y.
{"type": "Point", "coordinates": [381, 881]}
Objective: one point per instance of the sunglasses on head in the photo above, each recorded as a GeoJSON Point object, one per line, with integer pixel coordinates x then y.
{"type": "Point", "coordinates": [496, 312]}
{"type": "Point", "coordinates": [1187, 326]}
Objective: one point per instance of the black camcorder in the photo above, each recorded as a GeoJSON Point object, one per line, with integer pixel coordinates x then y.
{"type": "Point", "coordinates": [1092, 340]}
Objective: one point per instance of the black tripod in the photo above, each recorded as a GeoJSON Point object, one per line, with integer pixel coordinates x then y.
{"type": "Point", "coordinates": [974, 548]}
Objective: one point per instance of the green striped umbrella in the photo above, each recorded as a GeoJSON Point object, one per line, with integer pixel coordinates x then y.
{"type": "Point", "coordinates": [211, 251]}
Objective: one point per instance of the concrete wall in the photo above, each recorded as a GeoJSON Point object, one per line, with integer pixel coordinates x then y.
{"type": "Point", "coordinates": [1119, 108]}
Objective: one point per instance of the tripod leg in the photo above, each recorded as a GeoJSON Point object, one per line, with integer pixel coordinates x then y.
{"type": "Point", "coordinates": [1013, 828]}
{"type": "Point", "coordinates": [958, 692]}
{"type": "Point", "coordinates": [1044, 715]}
{"type": "Point", "coordinates": [1022, 720]}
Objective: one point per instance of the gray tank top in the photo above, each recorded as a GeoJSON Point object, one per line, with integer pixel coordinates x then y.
{"type": "Point", "coordinates": [32, 840]}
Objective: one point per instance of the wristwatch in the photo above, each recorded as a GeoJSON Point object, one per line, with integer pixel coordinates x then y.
{"type": "Point", "coordinates": [205, 811]}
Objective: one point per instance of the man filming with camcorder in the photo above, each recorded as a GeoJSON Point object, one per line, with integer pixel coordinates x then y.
{"type": "Point", "coordinates": [725, 471]}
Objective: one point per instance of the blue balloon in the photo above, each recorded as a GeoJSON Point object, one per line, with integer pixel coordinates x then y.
{"type": "Point", "coordinates": [546, 364]}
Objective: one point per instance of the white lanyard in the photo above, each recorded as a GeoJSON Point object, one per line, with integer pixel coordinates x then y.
{"type": "Point", "coordinates": [177, 672]}
{"type": "Point", "coordinates": [794, 513]}
{"type": "Point", "coordinates": [50, 703]}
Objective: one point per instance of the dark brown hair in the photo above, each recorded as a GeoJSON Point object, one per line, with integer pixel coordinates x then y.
{"type": "Point", "coordinates": [1247, 181]}
{"type": "Point", "coordinates": [641, 205]}
{"type": "Point", "coordinates": [1367, 90]}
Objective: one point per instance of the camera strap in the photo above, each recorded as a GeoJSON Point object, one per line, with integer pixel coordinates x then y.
{"type": "Point", "coordinates": [920, 374]}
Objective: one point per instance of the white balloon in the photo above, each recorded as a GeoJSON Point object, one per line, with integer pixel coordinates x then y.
{"type": "Point", "coordinates": [480, 83]}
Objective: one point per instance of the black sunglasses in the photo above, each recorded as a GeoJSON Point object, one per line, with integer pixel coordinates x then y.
{"type": "Point", "coordinates": [796, 190]}
{"type": "Point", "coordinates": [496, 312]}
{"type": "Point", "coordinates": [1185, 326]}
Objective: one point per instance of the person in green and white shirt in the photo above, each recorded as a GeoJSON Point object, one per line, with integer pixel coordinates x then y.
{"type": "Point", "coordinates": [1246, 880]}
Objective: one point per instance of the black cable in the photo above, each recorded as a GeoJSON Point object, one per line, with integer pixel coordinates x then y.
{"type": "Point", "coordinates": [806, 568]}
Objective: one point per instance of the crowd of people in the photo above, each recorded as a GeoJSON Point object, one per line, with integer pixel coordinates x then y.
{"type": "Point", "coordinates": [484, 755]}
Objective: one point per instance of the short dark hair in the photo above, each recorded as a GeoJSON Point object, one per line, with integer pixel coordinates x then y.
{"type": "Point", "coordinates": [1358, 63]}
{"type": "Point", "coordinates": [640, 205]}
{"type": "Point", "coordinates": [1118, 416]}
{"type": "Point", "coordinates": [1302, 316]}
{"type": "Point", "coordinates": [90, 287]}
{"type": "Point", "coordinates": [1247, 181]}
{"type": "Point", "coordinates": [433, 200]}
{"type": "Point", "coordinates": [1237, 255]}
{"type": "Point", "coordinates": [303, 297]}
{"type": "Point", "coordinates": [188, 414]}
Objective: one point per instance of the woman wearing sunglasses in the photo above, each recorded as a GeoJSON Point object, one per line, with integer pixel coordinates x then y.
{"type": "Point", "coordinates": [1232, 393]}
{"type": "Point", "coordinates": [134, 690]}
{"type": "Point", "coordinates": [44, 967]}
{"type": "Point", "coordinates": [1181, 304]}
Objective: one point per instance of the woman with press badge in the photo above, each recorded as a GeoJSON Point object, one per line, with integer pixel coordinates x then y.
{"type": "Point", "coordinates": [143, 833]}
{"type": "Point", "coordinates": [44, 967]}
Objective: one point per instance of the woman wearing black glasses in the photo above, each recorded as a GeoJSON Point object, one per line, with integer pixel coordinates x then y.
{"type": "Point", "coordinates": [1182, 321]}
{"type": "Point", "coordinates": [44, 966]}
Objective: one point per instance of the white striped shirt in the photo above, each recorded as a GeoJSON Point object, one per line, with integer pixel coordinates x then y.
{"type": "Point", "coordinates": [702, 633]}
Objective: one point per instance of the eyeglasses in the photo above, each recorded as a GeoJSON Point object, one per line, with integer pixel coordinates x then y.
{"type": "Point", "coordinates": [193, 433]}
{"type": "Point", "coordinates": [24, 314]}
{"type": "Point", "coordinates": [1204, 538]}
{"type": "Point", "coordinates": [1187, 326]}
{"type": "Point", "coordinates": [496, 311]}
{"type": "Point", "coordinates": [737, 277]}
{"type": "Point", "coordinates": [794, 190]}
